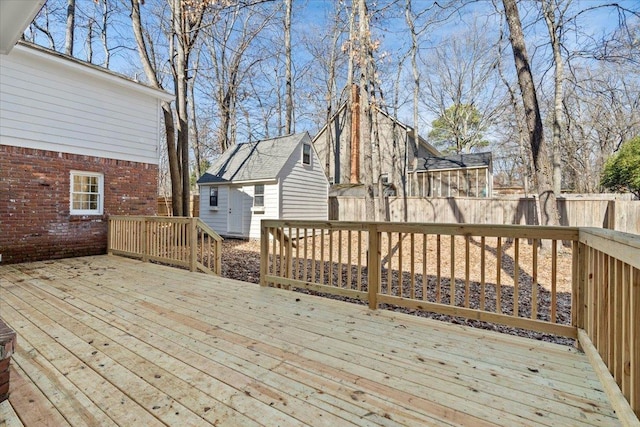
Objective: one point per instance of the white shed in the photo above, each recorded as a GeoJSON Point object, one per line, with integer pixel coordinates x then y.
{"type": "Point", "coordinates": [279, 178]}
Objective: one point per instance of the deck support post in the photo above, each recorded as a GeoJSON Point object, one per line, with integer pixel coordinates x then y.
{"type": "Point", "coordinates": [373, 265]}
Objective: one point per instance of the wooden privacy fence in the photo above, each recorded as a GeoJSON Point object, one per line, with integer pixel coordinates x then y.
{"type": "Point", "coordinates": [574, 282]}
{"type": "Point", "coordinates": [621, 215]}
{"type": "Point", "coordinates": [180, 241]}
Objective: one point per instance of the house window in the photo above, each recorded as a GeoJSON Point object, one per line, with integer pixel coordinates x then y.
{"type": "Point", "coordinates": [258, 195]}
{"type": "Point", "coordinates": [306, 154]}
{"type": "Point", "coordinates": [87, 193]}
{"type": "Point", "coordinates": [213, 197]}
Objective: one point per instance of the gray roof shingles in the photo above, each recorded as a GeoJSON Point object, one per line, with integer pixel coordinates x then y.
{"type": "Point", "coordinates": [253, 161]}
{"type": "Point", "coordinates": [455, 161]}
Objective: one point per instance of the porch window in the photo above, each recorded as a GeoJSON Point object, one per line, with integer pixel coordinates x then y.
{"type": "Point", "coordinates": [258, 195]}
{"type": "Point", "coordinates": [87, 193]}
{"type": "Point", "coordinates": [213, 197]}
{"type": "Point", "coordinates": [306, 154]}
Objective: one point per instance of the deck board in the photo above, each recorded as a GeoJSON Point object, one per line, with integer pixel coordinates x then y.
{"type": "Point", "coordinates": [113, 340]}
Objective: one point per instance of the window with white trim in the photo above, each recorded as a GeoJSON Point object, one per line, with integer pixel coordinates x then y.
{"type": "Point", "coordinates": [306, 154]}
{"type": "Point", "coordinates": [213, 197]}
{"type": "Point", "coordinates": [87, 193]}
{"type": "Point", "coordinates": [258, 196]}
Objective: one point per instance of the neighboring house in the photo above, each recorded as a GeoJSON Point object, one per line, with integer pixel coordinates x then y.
{"type": "Point", "coordinates": [341, 153]}
{"type": "Point", "coordinates": [279, 178]}
{"type": "Point", "coordinates": [457, 175]}
{"type": "Point", "coordinates": [77, 143]}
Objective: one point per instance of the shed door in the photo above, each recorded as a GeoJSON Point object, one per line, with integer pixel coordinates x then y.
{"type": "Point", "coordinates": [235, 211]}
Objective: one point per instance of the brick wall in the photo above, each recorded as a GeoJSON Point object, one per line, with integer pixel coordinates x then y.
{"type": "Point", "coordinates": [35, 223]}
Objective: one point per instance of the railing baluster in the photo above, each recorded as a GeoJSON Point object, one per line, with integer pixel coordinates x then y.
{"type": "Point", "coordinates": [534, 280]}
{"type": "Point", "coordinates": [452, 270]}
{"type": "Point", "coordinates": [438, 269]}
{"type": "Point", "coordinates": [483, 266]}
{"type": "Point", "coordinates": [498, 276]}
{"type": "Point", "coordinates": [349, 262]}
{"type": "Point", "coordinates": [425, 279]}
{"type": "Point", "coordinates": [516, 277]}
{"type": "Point", "coordinates": [467, 289]}
{"type": "Point", "coordinates": [389, 264]}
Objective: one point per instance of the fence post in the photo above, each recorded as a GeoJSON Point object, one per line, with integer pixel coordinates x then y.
{"type": "Point", "coordinates": [193, 244]}
{"type": "Point", "coordinates": [264, 253]}
{"type": "Point", "coordinates": [373, 265]}
{"type": "Point", "coordinates": [610, 215]}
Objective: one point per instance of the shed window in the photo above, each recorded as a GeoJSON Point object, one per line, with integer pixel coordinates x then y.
{"type": "Point", "coordinates": [213, 196]}
{"type": "Point", "coordinates": [258, 195]}
{"type": "Point", "coordinates": [87, 193]}
{"type": "Point", "coordinates": [306, 154]}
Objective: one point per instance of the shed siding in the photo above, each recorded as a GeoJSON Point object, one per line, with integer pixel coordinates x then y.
{"type": "Point", "coordinates": [304, 188]}
{"type": "Point", "coordinates": [49, 106]}
{"type": "Point", "coordinates": [218, 219]}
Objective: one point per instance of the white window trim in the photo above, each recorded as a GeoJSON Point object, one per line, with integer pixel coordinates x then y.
{"type": "Point", "coordinates": [214, 207]}
{"type": "Point", "coordinates": [100, 209]}
{"type": "Point", "coordinates": [310, 155]}
{"type": "Point", "coordinates": [259, 207]}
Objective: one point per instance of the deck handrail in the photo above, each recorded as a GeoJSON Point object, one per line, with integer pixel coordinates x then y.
{"type": "Point", "coordinates": [608, 313]}
{"type": "Point", "coordinates": [415, 265]}
{"type": "Point", "coordinates": [181, 241]}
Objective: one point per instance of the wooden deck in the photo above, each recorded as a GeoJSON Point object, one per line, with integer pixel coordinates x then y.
{"type": "Point", "coordinates": [112, 341]}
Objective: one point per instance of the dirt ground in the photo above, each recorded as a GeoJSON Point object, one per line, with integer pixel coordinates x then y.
{"type": "Point", "coordinates": [241, 260]}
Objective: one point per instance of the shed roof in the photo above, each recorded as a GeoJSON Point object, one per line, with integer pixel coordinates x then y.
{"type": "Point", "coordinates": [455, 161]}
{"type": "Point", "coordinates": [253, 161]}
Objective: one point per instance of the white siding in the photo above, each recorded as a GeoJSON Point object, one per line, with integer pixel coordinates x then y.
{"type": "Point", "coordinates": [218, 219]}
{"type": "Point", "coordinates": [271, 204]}
{"type": "Point", "coordinates": [53, 104]}
{"type": "Point", "coordinates": [304, 188]}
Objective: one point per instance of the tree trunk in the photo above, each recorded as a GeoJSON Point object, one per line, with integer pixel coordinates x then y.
{"type": "Point", "coordinates": [288, 76]}
{"type": "Point", "coordinates": [167, 112]}
{"type": "Point", "coordinates": [416, 96]}
{"type": "Point", "coordinates": [549, 12]}
{"type": "Point", "coordinates": [103, 33]}
{"type": "Point", "coordinates": [541, 164]}
{"type": "Point", "coordinates": [181, 64]}
{"type": "Point", "coordinates": [365, 109]}
{"type": "Point", "coordinates": [71, 23]}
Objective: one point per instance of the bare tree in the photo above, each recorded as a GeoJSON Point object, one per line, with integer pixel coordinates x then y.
{"type": "Point", "coordinates": [152, 73]}
{"type": "Point", "coordinates": [288, 77]}
{"type": "Point", "coordinates": [463, 91]}
{"type": "Point", "coordinates": [541, 164]}
{"type": "Point", "coordinates": [554, 16]}
{"type": "Point", "coordinates": [367, 85]}
{"type": "Point", "coordinates": [71, 26]}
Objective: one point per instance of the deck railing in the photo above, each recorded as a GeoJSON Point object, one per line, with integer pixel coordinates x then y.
{"type": "Point", "coordinates": [567, 281]}
{"type": "Point", "coordinates": [180, 241]}
{"type": "Point", "coordinates": [608, 314]}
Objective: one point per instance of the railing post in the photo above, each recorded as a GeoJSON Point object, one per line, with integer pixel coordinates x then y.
{"type": "Point", "coordinates": [143, 237]}
{"type": "Point", "coordinates": [373, 266]}
{"type": "Point", "coordinates": [264, 253]}
{"type": "Point", "coordinates": [193, 244]}
{"type": "Point", "coordinates": [579, 286]}
{"type": "Point", "coordinates": [109, 236]}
